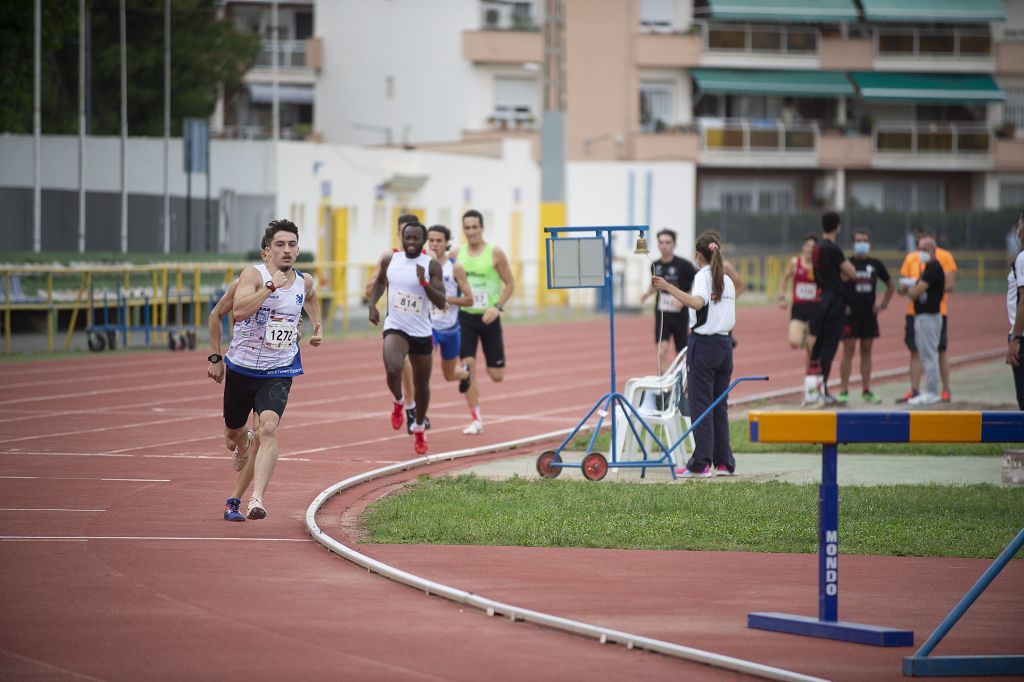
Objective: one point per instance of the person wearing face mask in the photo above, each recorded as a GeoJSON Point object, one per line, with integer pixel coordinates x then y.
{"type": "Point", "coordinates": [862, 315]}
{"type": "Point", "coordinates": [926, 295]}
{"type": "Point", "coordinates": [910, 271]}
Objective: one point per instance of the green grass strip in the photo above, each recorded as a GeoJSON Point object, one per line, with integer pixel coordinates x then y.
{"type": "Point", "coordinates": [902, 520]}
{"type": "Point", "coordinates": [740, 441]}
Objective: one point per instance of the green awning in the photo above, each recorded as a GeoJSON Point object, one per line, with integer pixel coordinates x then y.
{"type": "Point", "coordinates": [789, 83]}
{"type": "Point", "coordinates": [927, 88]}
{"type": "Point", "coordinates": [934, 11]}
{"type": "Point", "coordinates": [815, 11]}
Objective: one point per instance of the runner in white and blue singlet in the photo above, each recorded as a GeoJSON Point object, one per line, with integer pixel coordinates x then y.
{"type": "Point", "coordinates": [407, 330]}
{"type": "Point", "coordinates": [447, 334]}
{"type": "Point", "coordinates": [264, 356]}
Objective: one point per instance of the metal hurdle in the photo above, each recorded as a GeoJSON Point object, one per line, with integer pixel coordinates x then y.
{"type": "Point", "coordinates": [831, 428]}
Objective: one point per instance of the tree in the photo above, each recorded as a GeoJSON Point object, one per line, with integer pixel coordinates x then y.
{"type": "Point", "coordinates": [206, 52]}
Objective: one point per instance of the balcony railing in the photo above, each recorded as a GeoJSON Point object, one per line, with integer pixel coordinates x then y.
{"type": "Point", "coordinates": [917, 42]}
{"type": "Point", "coordinates": [940, 138]}
{"type": "Point", "coordinates": [746, 135]}
{"type": "Point", "coordinates": [509, 15]}
{"type": "Point", "coordinates": [759, 39]}
{"type": "Point", "coordinates": [257, 132]}
{"type": "Point", "coordinates": [291, 54]}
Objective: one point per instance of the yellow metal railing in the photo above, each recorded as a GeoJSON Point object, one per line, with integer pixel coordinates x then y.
{"type": "Point", "coordinates": [165, 294]}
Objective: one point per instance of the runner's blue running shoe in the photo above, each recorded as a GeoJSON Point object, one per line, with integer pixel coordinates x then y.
{"type": "Point", "coordinates": [231, 512]}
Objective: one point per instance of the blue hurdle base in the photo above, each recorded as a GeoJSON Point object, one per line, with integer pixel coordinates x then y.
{"type": "Point", "coordinates": [847, 632]}
{"type": "Point", "coordinates": [961, 666]}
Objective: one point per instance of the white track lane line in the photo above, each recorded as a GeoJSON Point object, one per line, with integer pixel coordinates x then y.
{"type": "Point", "coordinates": [155, 538]}
{"type": "Point", "coordinates": [45, 509]}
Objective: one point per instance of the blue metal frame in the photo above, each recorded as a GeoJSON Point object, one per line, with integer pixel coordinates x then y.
{"type": "Point", "coordinates": [923, 665]}
{"type": "Point", "coordinates": [827, 624]}
{"type": "Point", "coordinates": [613, 398]}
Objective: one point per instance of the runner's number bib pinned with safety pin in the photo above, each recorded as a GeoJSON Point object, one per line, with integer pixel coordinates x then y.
{"type": "Point", "coordinates": [806, 291]}
{"type": "Point", "coordinates": [408, 303]}
{"type": "Point", "coordinates": [280, 333]}
{"type": "Point", "coordinates": [479, 299]}
{"type": "Point", "coordinates": [667, 303]}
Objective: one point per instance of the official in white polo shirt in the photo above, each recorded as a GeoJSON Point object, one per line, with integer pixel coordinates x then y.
{"type": "Point", "coordinates": [712, 303]}
{"type": "Point", "coordinates": [1015, 309]}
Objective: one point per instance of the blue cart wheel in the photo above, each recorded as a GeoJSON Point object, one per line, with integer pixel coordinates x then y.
{"type": "Point", "coordinates": [544, 462]}
{"type": "Point", "coordinates": [595, 466]}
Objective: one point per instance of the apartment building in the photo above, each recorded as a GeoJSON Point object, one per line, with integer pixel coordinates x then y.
{"type": "Point", "coordinates": [247, 112]}
{"type": "Point", "coordinates": [783, 105]}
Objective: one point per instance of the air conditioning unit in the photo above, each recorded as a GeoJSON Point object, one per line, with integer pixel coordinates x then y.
{"type": "Point", "coordinates": [495, 16]}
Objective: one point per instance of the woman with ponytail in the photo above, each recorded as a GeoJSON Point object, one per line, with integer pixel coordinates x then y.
{"type": "Point", "coordinates": [712, 304]}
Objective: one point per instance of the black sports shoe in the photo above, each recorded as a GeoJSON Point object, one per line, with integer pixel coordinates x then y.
{"type": "Point", "coordinates": [410, 419]}
{"type": "Point", "coordinates": [464, 383]}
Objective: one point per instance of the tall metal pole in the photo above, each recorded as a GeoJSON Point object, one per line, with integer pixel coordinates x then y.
{"type": "Point", "coordinates": [37, 132]}
{"type": "Point", "coordinates": [167, 125]}
{"type": "Point", "coordinates": [81, 126]}
{"type": "Point", "coordinates": [275, 101]}
{"type": "Point", "coordinates": [552, 133]}
{"type": "Point", "coordinates": [124, 126]}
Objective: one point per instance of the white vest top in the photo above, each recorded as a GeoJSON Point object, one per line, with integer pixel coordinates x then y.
{"type": "Point", "coordinates": [408, 305]}
{"type": "Point", "coordinates": [448, 318]}
{"type": "Point", "coordinates": [264, 344]}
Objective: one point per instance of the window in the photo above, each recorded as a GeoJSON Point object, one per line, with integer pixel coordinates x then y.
{"type": "Point", "coordinates": [657, 15]}
{"type": "Point", "coordinates": [1013, 110]}
{"type": "Point", "coordinates": [914, 197]}
{"type": "Point", "coordinates": [515, 100]}
{"type": "Point", "coordinates": [1011, 195]}
{"type": "Point", "coordinates": [656, 111]}
{"type": "Point", "coordinates": [737, 202]}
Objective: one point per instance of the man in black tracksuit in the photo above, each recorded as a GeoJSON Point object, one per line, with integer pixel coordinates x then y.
{"type": "Point", "coordinates": [831, 269]}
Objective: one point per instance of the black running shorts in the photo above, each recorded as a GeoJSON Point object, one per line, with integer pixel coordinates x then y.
{"type": "Point", "coordinates": [244, 394]}
{"type": "Point", "coordinates": [676, 327]}
{"type": "Point", "coordinates": [489, 336]}
{"type": "Point", "coordinates": [418, 345]}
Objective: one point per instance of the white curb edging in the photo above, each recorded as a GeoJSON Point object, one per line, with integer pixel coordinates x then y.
{"type": "Point", "coordinates": [512, 612]}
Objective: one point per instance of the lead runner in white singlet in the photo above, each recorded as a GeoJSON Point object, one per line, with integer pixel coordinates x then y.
{"type": "Point", "coordinates": [413, 282]}
{"type": "Point", "coordinates": [265, 343]}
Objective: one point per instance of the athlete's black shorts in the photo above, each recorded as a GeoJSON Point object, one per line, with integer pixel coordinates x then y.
{"type": "Point", "coordinates": [418, 345]}
{"type": "Point", "coordinates": [828, 316]}
{"type": "Point", "coordinates": [244, 394]}
{"type": "Point", "coordinates": [676, 327]}
{"type": "Point", "coordinates": [489, 335]}
{"type": "Point", "coordinates": [861, 325]}
{"type": "Point", "coordinates": [908, 335]}
{"type": "Point", "coordinates": [802, 311]}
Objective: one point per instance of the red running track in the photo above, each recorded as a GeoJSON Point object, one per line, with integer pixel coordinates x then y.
{"type": "Point", "coordinates": [115, 563]}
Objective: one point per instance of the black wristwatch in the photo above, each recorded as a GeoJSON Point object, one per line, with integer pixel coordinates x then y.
{"type": "Point", "coordinates": [500, 307]}
{"type": "Point", "coordinates": [214, 358]}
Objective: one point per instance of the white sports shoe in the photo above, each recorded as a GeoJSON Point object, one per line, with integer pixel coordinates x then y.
{"type": "Point", "coordinates": [256, 509]}
{"type": "Point", "coordinates": [474, 429]}
{"type": "Point", "coordinates": [240, 457]}
{"type": "Point", "coordinates": [924, 399]}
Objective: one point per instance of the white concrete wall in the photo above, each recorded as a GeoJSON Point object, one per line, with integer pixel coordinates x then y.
{"type": "Point", "coordinates": [242, 166]}
{"type": "Point", "coordinates": [419, 46]}
{"type": "Point", "coordinates": [598, 193]}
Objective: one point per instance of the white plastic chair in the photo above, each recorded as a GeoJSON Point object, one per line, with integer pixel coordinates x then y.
{"type": "Point", "coordinates": [668, 422]}
{"type": "Point", "coordinates": [637, 386]}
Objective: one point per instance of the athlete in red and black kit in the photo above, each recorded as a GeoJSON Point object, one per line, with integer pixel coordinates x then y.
{"type": "Point", "coordinates": [804, 294]}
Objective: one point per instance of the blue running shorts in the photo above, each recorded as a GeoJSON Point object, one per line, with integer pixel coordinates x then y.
{"type": "Point", "coordinates": [450, 341]}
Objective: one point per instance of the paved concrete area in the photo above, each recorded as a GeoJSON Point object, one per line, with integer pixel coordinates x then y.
{"type": "Point", "coordinates": [984, 385]}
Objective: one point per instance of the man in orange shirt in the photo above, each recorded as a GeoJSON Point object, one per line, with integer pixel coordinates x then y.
{"type": "Point", "coordinates": [910, 272]}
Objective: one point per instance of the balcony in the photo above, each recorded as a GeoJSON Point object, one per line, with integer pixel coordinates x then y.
{"type": "Point", "coordinates": [737, 44]}
{"type": "Point", "coordinates": [940, 145]}
{"type": "Point", "coordinates": [509, 117]}
{"type": "Point", "coordinates": [292, 55]}
{"type": "Point", "coordinates": [503, 47]}
{"type": "Point", "coordinates": [957, 49]}
{"type": "Point", "coordinates": [758, 142]}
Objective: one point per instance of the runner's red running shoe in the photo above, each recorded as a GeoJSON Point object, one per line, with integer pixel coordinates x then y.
{"type": "Point", "coordinates": [397, 415]}
{"type": "Point", "coordinates": [420, 445]}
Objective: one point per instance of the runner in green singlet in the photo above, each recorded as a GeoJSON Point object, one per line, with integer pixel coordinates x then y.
{"type": "Point", "coordinates": [491, 280]}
